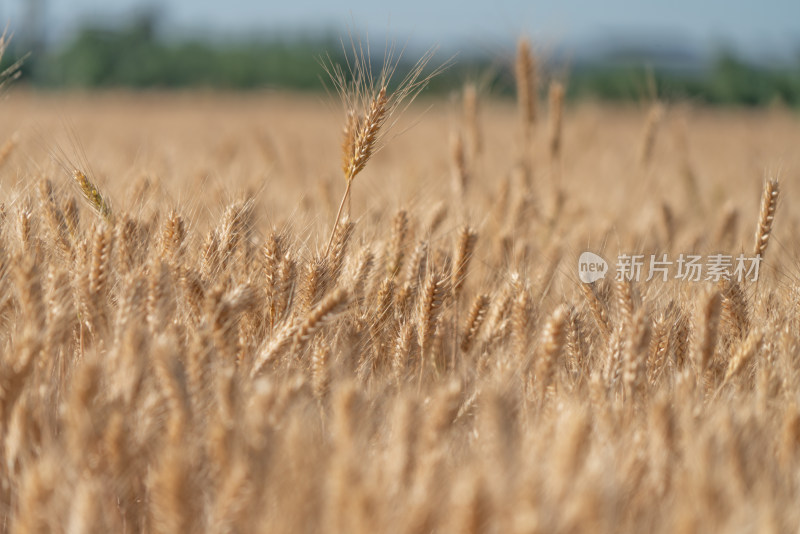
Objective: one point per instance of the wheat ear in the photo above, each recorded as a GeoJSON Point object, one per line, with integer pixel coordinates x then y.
{"type": "Point", "coordinates": [556, 109]}
{"type": "Point", "coordinates": [769, 203]}
{"type": "Point", "coordinates": [92, 194]}
{"type": "Point", "coordinates": [525, 72]}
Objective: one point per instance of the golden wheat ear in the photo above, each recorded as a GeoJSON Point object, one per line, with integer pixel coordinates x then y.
{"type": "Point", "coordinates": [526, 78]}
{"type": "Point", "coordinates": [556, 103]}
{"type": "Point", "coordinates": [370, 104]}
{"type": "Point", "coordinates": [769, 204]}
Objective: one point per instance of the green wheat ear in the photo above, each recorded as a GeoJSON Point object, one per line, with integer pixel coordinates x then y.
{"type": "Point", "coordinates": [92, 194]}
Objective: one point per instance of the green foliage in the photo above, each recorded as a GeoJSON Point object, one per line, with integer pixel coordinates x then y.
{"type": "Point", "coordinates": [135, 56]}
{"type": "Point", "coordinates": [728, 81]}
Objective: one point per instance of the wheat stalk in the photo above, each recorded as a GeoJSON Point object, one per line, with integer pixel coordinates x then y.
{"type": "Point", "coordinates": [370, 108]}
{"type": "Point", "coordinates": [556, 108]}
{"type": "Point", "coordinates": [525, 72]}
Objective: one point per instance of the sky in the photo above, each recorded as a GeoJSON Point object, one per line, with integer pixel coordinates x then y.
{"type": "Point", "coordinates": [752, 27]}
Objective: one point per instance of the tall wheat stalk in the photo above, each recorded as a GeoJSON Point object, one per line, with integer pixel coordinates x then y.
{"type": "Point", "coordinates": [371, 106]}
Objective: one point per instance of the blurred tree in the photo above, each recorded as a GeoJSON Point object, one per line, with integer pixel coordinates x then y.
{"type": "Point", "coordinates": [136, 55]}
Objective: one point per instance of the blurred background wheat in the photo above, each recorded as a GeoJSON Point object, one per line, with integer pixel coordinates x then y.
{"type": "Point", "coordinates": [190, 342]}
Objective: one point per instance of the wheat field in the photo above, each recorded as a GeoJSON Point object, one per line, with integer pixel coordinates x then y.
{"type": "Point", "coordinates": [183, 351]}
